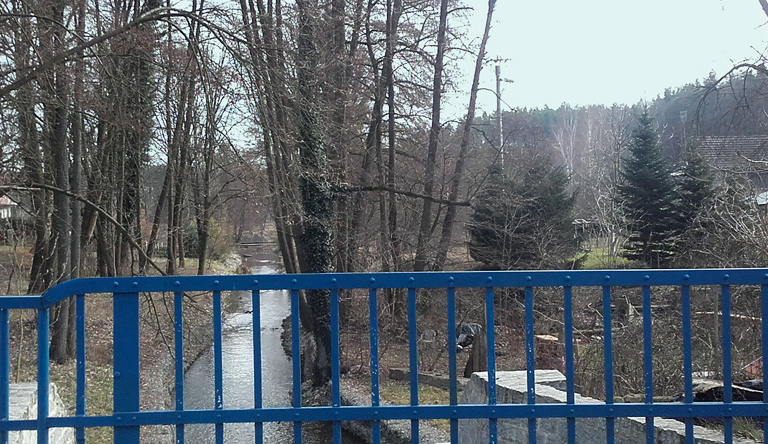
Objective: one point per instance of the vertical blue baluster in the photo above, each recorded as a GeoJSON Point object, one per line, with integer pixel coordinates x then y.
{"type": "Point", "coordinates": [296, 357]}
{"type": "Point", "coordinates": [648, 361]}
{"type": "Point", "coordinates": [125, 308]}
{"type": "Point", "coordinates": [5, 370]}
{"type": "Point", "coordinates": [335, 363]}
{"type": "Point", "coordinates": [178, 342]}
{"type": "Point", "coordinates": [452, 376]}
{"type": "Point", "coordinates": [258, 426]}
{"type": "Point", "coordinates": [218, 371]}
{"type": "Point", "coordinates": [43, 377]}
{"type": "Point", "coordinates": [608, 362]}
{"type": "Point", "coordinates": [81, 380]}
{"type": "Point", "coordinates": [727, 376]}
{"type": "Point", "coordinates": [764, 313]}
{"type": "Point", "coordinates": [490, 331]}
{"type": "Point", "coordinates": [414, 360]}
{"type": "Point", "coordinates": [374, 338]}
{"type": "Point", "coordinates": [568, 336]}
{"type": "Point", "coordinates": [687, 359]}
{"type": "Point", "coordinates": [530, 361]}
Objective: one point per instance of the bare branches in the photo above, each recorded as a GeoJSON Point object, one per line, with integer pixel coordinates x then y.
{"type": "Point", "coordinates": [460, 203]}
{"type": "Point", "coordinates": [88, 203]}
{"type": "Point", "coordinates": [152, 15]}
{"type": "Point", "coordinates": [764, 4]}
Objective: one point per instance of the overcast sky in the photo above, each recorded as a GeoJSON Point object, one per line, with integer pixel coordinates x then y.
{"type": "Point", "coordinates": [613, 51]}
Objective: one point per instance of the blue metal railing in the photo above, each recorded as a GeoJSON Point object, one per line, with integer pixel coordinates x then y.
{"type": "Point", "coordinates": [128, 417]}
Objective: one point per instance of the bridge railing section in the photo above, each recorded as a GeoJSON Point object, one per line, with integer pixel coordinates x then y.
{"type": "Point", "coordinates": [128, 416]}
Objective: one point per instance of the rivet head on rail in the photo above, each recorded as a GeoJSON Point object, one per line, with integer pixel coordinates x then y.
{"type": "Point", "coordinates": [411, 279]}
{"type": "Point", "coordinates": [490, 278]}
{"type": "Point", "coordinates": [215, 282]}
{"type": "Point", "coordinates": [533, 411]}
{"type": "Point", "coordinates": [610, 410]}
{"type": "Point", "coordinates": [567, 278]}
{"type": "Point", "coordinates": [116, 374]}
{"type": "Point", "coordinates": [415, 413]}
{"type": "Point", "coordinates": [607, 278]}
{"type": "Point", "coordinates": [255, 282]}
{"type": "Point", "coordinates": [115, 284]}
{"type": "Point", "coordinates": [650, 409]}
{"type": "Point", "coordinates": [118, 419]}
{"type": "Point", "coordinates": [218, 416]}
{"type": "Point", "coordinates": [375, 413]}
{"type": "Point", "coordinates": [177, 283]}
{"type": "Point", "coordinates": [294, 281]}
{"type": "Point", "coordinates": [133, 418]}
{"type": "Point", "coordinates": [493, 412]}
{"type": "Point", "coordinates": [690, 409]}
{"type": "Point", "coordinates": [333, 281]}
{"type": "Point", "coordinates": [528, 278]}
{"type": "Point", "coordinates": [726, 276]}
{"type": "Point", "coordinates": [135, 284]}
{"type": "Point", "coordinates": [296, 415]}
{"type": "Point", "coordinates": [178, 417]}
{"type": "Point", "coordinates": [686, 276]}
{"type": "Point", "coordinates": [373, 280]}
{"type": "Point", "coordinates": [765, 276]}
{"type": "Point", "coordinates": [455, 412]}
{"type": "Point", "coordinates": [646, 277]}
{"type": "Point", "coordinates": [450, 279]}
{"type": "Point", "coordinates": [573, 411]}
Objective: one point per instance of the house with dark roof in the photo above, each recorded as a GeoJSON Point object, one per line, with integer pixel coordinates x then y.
{"type": "Point", "coordinates": [741, 155]}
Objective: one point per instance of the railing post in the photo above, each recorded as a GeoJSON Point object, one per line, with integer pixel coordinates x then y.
{"type": "Point", "coordinates": [125, 308]}
{"type": "Point", "coordinates": [43, 373]}
{"type": "Point", "coordinates": [5, 370]}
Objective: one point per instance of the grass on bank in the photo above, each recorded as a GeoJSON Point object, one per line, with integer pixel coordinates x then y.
{"type": "Point", "coordinates": [399, 393]}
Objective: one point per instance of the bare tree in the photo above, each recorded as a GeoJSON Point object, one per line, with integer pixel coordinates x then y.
{"type": "Point", "coordinates": [458, 174]}
{"type": "Point", "coordinates": [420, 261]}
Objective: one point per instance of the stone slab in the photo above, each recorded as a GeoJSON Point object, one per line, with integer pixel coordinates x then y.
{"type": "Point", "coordinates": [23, 405]}
{"type": "Point", "coordinates": [431, 379]}
{"type": "Point", "coordinates": [512, 389]}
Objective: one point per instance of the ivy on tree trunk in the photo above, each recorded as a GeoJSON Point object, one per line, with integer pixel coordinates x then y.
{"type": "Point", "coordinates": [315, 190]}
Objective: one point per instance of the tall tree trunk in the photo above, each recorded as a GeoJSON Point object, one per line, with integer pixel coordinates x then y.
{"type": "Point", "coordinates": [458, 173]}
{"type": "Point", "coordinates": [422, 243]}
{"type": "Point", "coordinates": [335, 79]}
{"type": "Point", "coordinates": [76, 172]}
{"type": "Point", "coordinates": [263, 29]}
{"type": "Point", "coordinates": [40, 273]}
{"type": "Point", "coordinates": [61, 221]}
{"type": "Point", "coordinates": [316, 199]}
{"type": "Point", "coordinates": [394, 296]}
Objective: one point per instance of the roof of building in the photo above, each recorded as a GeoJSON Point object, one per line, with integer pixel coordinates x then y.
{"type": "Point", "coordinates": [740, 154]}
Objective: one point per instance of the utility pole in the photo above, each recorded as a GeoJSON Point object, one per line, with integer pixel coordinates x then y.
{"type": "Point", "coordinates": [498, 113]}
{"type": "Point", "coordinates": [684, 119]}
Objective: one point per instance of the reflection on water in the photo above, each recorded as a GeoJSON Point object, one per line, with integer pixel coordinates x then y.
{"type": "Point", "coordinates": [237, 357]}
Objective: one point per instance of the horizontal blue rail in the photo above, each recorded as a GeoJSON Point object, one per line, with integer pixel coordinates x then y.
{"type": "Point", "coordinates": [128, 416]}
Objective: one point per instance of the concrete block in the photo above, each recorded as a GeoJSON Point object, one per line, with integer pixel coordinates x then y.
{"type": "Point", "coordinates": [23, 405]}
{"type": "Point", "coordinates": [550, 384]}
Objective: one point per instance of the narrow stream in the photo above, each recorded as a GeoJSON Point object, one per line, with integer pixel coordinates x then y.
{"type": "Point", "coordinates": [237, 357]}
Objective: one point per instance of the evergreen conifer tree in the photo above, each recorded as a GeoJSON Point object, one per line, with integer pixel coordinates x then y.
{"type": "Point", "coordinates": [648, 198]}
{"type": "Point", "coordinates": [524, 223]}
{"type": "Point", "coordinates": [696, 200]}
{"type": "Point", "coordinates": [694, 187]}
